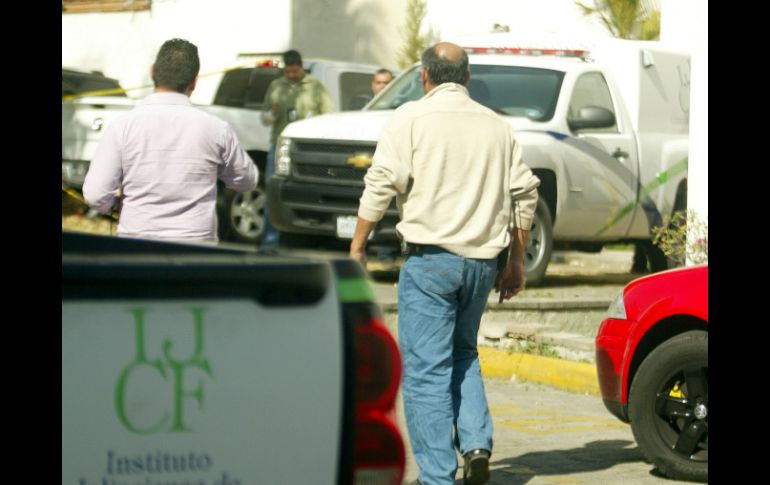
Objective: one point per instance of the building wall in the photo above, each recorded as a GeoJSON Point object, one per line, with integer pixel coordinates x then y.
{"type": "Point", "coordinates": [366, 31]}
{"type": "Point", "coordinates": [124, 44]}
{"type": "Point", "coordinates": [450, 18]}
{"type": "Point", "coordinates": [685, 22]}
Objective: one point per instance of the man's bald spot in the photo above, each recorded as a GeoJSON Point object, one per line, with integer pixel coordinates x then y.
{"type": "Point", "coordinates": [449, 51]}
{"type": "Point", "coordinates": [445, 63]}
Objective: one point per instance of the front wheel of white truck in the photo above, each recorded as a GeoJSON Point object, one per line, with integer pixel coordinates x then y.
{"type": "Point", "coordinates": [537, 254]}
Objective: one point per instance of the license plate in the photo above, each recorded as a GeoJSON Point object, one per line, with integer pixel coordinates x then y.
{"type": "Point", "coordinates": [346, 227]}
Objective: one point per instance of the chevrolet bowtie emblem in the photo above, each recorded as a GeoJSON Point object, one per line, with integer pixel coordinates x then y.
{"type": "Point", "coordinates": [360, 160]}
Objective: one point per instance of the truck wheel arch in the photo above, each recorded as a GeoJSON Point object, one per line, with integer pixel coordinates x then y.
{"type": "Point", "coordinates": [547, 190]}
{"type": "Point", "coordinates": [680, 200]}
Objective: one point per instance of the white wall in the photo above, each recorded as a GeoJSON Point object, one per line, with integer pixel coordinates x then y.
{"type": "Point", "coordinates": [685, 22]}
{"type": "Point", "coordinates": [124, 44]}
{"type": "Point", "coordinates": [450, 18]}
{"type": "Point", "coordinates": [366, 31]}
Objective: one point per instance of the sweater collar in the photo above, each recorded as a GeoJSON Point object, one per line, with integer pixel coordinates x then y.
{"type": "Point", "coordinates": [447, 88]}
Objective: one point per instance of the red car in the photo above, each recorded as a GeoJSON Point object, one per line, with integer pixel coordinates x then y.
{"type": "Point", "coordinates": [652, 363]}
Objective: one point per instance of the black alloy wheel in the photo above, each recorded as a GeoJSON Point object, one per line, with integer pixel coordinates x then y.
{"type": "Point", "coordinates": [668, 406]}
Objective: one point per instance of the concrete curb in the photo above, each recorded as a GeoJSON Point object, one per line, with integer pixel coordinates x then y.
{"type": "Point", "coordinates": [530, 304]}
{"type": "Point", "coordinates": [551, 304]}
{"type": "Point", "coordinates": [563, 374]}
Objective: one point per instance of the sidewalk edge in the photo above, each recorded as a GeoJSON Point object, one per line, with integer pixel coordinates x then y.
{"type": "Point", "coordinates": [567, 375]}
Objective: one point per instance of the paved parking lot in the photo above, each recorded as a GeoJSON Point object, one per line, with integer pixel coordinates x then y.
{"type": "Point", "coordinates": [545, 436]}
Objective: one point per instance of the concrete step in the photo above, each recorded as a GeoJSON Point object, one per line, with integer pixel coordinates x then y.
{"type": "Point", "coordinates": [555, 330]}
{"type": "Point", "coordinates": [538, 339]}
{"type": "Point", "coordinates": [560, 318]}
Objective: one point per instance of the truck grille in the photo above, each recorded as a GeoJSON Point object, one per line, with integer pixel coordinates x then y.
{"type": "Point", "coordinates": [333, 172]}
{"type": "Point", "coordinates": [327, 163]}
{"type": "Point", "coordinates": [333, 147]}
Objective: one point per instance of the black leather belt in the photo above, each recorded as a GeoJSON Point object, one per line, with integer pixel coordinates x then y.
{"type": "Point", "coordinates": [408, 248]}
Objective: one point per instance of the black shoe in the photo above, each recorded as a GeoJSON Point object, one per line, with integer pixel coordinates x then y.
{"type": "Point", "coordinates": [476, 467]}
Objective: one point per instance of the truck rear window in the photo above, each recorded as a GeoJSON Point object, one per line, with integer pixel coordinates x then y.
{"type": "Point", "coordinates": [245, 88]}
{"type": "Point", "coordinates": [76, 82]}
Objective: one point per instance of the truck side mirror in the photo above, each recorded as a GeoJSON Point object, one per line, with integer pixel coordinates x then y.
{"type": "Point", "coordinates": [592, 117]}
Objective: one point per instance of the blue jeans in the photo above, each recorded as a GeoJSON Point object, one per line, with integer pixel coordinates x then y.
{"type": "Point", "coordinates": [441, 297]}
{"type": "Point", "coordinates": [270, 235]}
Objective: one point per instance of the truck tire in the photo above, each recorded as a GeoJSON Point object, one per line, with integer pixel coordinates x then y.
{"type": "Point", "coordinates": [244, 215]}
{"type": "Point", "coordinates": [658, 260]}
{"type": "Point", "coordinates": [668, 406]}
{"type": "Point", "coordinates": [537, 254]}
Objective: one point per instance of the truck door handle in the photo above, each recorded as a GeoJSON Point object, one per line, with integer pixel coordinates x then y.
{"type": "Point", "coordinates": [618, 153]}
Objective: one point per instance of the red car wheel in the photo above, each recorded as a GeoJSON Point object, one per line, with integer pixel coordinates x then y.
{"type": "Point", "coordinates": [668, 406]}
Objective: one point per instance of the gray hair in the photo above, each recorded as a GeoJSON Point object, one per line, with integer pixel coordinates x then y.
{"type": "Point", "coordinates": [442, 70]}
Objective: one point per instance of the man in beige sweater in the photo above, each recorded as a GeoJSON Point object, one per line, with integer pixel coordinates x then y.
{"type": "Point", "coordinates": [455, 170]}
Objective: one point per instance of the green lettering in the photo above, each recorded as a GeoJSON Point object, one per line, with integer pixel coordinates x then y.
{"type": "Point", "coordinates": [139, 323]}
{"type": "Point", "coordinates": [120, 398]}
{"type": "Point", "coordinates": [198, 348]}
{"type": "Point", "coordinates": [180, 393]}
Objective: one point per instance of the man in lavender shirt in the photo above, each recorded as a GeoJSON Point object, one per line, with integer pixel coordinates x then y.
{"type": "Point", "coordinates": [165, 157]}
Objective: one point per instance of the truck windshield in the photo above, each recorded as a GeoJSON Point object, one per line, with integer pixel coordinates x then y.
{"type": "Point", "coordinates": [509, 90]}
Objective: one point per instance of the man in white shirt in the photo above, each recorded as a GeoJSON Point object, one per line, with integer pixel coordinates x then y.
{"type": "Point", "coordinates": [164, 157]}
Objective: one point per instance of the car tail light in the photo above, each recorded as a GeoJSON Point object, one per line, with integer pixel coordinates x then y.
{"type": "Point", "coordinates": [379, 452]}
{"type": "Point", "coordinates": [378, 455]}
{"type": "Point", "coordinates": [378, 367]}
{"type": "Point", "coordinates": [372, 451]}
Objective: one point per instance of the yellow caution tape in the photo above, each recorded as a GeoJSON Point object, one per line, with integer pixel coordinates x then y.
{"type": "Point", "coordinates": [107, 92]}
{"type": "Point", "coordinates": [79, 197]}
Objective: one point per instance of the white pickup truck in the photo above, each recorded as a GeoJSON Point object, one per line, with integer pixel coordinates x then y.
{"type": "Point", "coordinates": [606, 132]}
{"type": "Point", "coordinates": [199, 365]}
{"type": "Point", "coordinates": [238, 96]}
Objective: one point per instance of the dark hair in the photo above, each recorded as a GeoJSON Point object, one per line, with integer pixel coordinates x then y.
{"type": "Point", "coordinates": [442, 70]}
{"type": "Point", "coordinates": [176, 65]}
{"type": "Point", "coordinates": [384, 71]}
{"type": "Point", "coordinates": [292, 58]}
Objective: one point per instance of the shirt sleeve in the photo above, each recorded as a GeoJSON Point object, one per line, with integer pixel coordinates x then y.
{"type": "Point", "coordinates": [523, 187]}
{"type": "Point", "coordinates": [268, 103]}
{"type": "Point", "coordinates": [325, 104]}
{"type": "Point", "coordinates": [389, 174]}
{"type": "Point", "coordinates": [238, 171]}
{"type": "Point", "coordinates": [105, 172]}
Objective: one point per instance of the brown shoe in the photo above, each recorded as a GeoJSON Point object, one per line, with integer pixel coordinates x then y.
{"type": "Point", "coordinates": [476, 467]}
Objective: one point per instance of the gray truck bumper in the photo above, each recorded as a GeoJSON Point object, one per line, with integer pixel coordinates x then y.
{"type": "Point", "coordinates": [306, 208]}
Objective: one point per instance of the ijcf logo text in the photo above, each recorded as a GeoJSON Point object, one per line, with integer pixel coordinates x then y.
{"type": "Point", "coordinates": [170, 369]}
